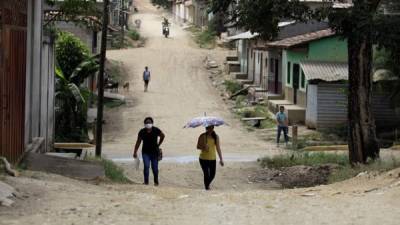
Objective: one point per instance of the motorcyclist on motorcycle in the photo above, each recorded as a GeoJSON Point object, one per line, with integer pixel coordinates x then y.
{"type": "Point", "coordinates": [165, 23]}
{"type": "Point", "coordinates": [165, 27]}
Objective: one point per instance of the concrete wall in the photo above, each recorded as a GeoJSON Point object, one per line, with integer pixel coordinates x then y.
{"type": "Point", "coordinates": [84, 34]}
{"type": "Point", "coordinates": [258, 65]}
{"type": "Point", "coordinates": [328, 49]}
{"type": "Point", "coordinates": [200, 13]}
{"type": "Point", "coordinates": [39, 104]}
{"type": "Point", "coordinates": [271, 75]}
{"type": "Point", "coordinates": [289, 93]}
{"type": "Point", "coordinates": [242, 47]}
{"type": "Point", "coordinates": [301, 98]}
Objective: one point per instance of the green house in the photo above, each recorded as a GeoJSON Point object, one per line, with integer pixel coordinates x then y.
{"type": "Point", "coordinates": [308, 58]}
{"type": "Point", "coordinates": [315, 74]}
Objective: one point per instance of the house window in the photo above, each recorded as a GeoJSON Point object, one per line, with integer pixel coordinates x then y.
{"type": "Point", "coordinates": [289, 70]}
{"type": "Point", "coordinates": [303, 80]}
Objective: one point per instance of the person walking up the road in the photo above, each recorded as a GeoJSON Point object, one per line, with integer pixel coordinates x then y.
{"type": "Point", "coordinates": [282, 123]}
{"type": "Point", "coordinates": [146, 78]}
{"type": "Point", "coordinates": [152, 138]}
{"type": "Point", "coordinates": [209, 145]}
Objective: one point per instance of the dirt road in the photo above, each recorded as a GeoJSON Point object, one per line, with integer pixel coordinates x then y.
{"type": "Point", "coordinates": [179, 91]}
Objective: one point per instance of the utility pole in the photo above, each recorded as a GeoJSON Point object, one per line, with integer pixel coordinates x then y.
{"type": "Point", "coordinates": [122, 21]}
{"type": "Point", "coordinates": [100, 83]}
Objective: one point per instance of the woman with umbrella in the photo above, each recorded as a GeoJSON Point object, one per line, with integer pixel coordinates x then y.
{"type": "Point", "coordinates": [209, 145]}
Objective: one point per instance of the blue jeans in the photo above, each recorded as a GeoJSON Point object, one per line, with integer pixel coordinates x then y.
{"type": "Point", "coordinates": [285, 133]}
{"type": "Point", "coordinates": [147, 160]}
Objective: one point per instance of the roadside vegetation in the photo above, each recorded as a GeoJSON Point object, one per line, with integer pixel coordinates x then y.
{"type": "Point", "coordinates": [343, 170]}
{"type": "Point", "coordinates": [74, 66]}
{"type": "Point", "coordinates": [206, 37]}
{"type": "Point", "coordinates": [114, 173]}
{"type": "Point", "coordinates": [244, 109]}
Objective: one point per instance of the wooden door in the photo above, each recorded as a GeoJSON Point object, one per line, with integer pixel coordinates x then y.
{"type": "Point", "coordinates": [13, 25]}
{"type": "Point", "coordinates": [296, 81]}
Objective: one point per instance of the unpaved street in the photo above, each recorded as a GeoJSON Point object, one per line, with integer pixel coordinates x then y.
{"type": "Point", "coordinates": [179, 90]}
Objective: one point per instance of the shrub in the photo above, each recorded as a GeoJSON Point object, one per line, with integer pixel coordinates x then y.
{"type": "Point", "coordinates": [134, 35]}
{"type": "Point", "coordinates": [232, 86]}
{"type": "Point", "coordinates": [306, 159]}
{"type": "Point", "coordinates": [70, 52]}
{"type": "Point", "coordinates": [206, 38]}
{"type": "Point", "coordinates": [114, 172]}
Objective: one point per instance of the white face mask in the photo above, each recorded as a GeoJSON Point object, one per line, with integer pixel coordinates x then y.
{"type": "Point", "coordinates": [148, 125]}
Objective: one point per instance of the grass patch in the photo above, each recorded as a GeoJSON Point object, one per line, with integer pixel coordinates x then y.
{"type": "Point", "coordinates": [257, 111]}
{"type": "Point", "coordinates": [134, 35]}
{"type": "Point", "coordinates": [232, 86]}
{"type": "Point", "coordinates": [113, 103]}
{"type": "Point", "coordinates": [306, 159]}
{"type": "Point", "coordinates": [345, 170]}
{"type": "Point", "coordinates": [240, 101]}
{"type": "Point", "coordinates": [204, 38]}
{"type": "Point", "coordinates": [114, 172]}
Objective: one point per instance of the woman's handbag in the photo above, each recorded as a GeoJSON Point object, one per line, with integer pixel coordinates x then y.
{"type": "Point", "coordinates": [160, 154]}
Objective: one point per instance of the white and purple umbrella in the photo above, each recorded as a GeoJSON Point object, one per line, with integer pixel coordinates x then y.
{"type": "Point", "coordinates": [205, 121]}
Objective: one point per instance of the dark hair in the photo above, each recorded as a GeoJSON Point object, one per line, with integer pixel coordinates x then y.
{"type": "Point", "coordinates": [281, 107]}
{"type": "Point", "coordinates": [148, 118]}
{"type": "Point", "coordinates": [213, 134]}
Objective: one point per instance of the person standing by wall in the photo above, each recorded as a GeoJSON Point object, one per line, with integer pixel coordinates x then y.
{"type": "Point", "coordinates": [146, 78]}
{"type": "Point", "coordinates": [283, 125]}
{"type": "Point", "coordinates": [152, 137]}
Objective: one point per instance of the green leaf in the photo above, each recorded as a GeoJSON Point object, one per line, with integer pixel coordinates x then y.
{"type": "Point", "coordinates": [76, 92]}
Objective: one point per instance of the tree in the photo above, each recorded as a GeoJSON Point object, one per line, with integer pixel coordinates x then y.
{"type": "Point", "coordinates": [81, 12]}
{"type": "Point", "coordinates": [363, 25]}
{"type": "Point", "coordinates": [166, 4]}
{"type": "Point", "coordinates": [70, 52]}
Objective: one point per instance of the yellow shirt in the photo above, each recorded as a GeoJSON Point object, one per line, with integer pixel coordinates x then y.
{"type": "Point", "coordinates": [211, 153]}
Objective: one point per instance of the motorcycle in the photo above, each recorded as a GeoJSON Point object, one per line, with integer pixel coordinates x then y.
{"type": "Point", "coordinates": [166, 31]}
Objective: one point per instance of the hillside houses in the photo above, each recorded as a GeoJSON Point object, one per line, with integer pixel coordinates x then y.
{"type": "Point", "coordinates": [191, 11]}
{"type": "Point", "coordinates": [304, 69]}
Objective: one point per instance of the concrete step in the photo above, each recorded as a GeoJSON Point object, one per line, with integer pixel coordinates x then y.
{"type": "Point", "coordinates": [232, 58]}
{"type": "Point", "coordinates": [240, 75]}
{"type": "Point", "coordinates": [244, 82]}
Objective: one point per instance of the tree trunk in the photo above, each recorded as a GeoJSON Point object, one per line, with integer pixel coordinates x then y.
{"type": "Point", "coordinates": [363, 143]}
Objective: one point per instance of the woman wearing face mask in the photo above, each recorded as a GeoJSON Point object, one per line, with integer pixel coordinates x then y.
{"type": "Point", "coordinates": [208, 143]}
{"type": "Point", "coordinates": [152, 138]}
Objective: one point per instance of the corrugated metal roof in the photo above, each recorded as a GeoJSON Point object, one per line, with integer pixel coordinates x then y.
{"type": "Point", "coordinates": [327, 71]}
{"type": "Point", "coordinates": [301, 39]}
{"type": "Point", "coordinates": [245, 35]}
{"type": "Point", "coordinates": [249, 35]}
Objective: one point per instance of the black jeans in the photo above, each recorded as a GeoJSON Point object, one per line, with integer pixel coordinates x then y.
{"type": "Point", "coordinates": [209, 169]}
{"type": "Point", "coordinates": [285, 133]}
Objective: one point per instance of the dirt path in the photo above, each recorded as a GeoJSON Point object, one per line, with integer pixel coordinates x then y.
{"type": "Point", "coordinates": [179, 90]}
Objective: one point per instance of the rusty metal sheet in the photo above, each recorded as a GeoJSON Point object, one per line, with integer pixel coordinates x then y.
{"type": "Point", "coordinates": [13, 39]}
